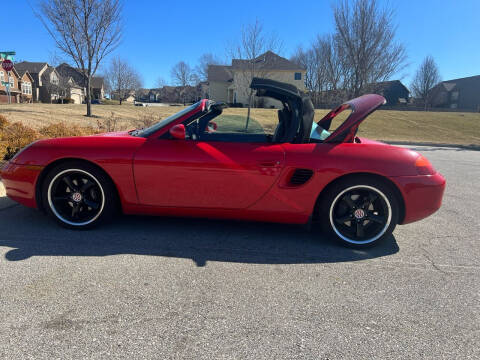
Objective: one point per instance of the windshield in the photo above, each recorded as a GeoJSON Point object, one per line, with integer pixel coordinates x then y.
{"type": "Point", "coordinates": [152, 129]}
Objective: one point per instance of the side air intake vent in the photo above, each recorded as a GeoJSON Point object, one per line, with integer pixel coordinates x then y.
{"type": "Point", "coordinates": [300, 176]}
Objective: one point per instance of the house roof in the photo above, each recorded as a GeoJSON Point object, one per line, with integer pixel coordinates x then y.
{"type": "Point", "coordinates": [384, 85]}
{"type": "Point", "coordinates": [471, 83]}
{"type": "Point", "coordinates": [21, 74]}
{"type": "Point", "coordinates": [97, 82]}
{"type": "Point", "coordinates": [66, 70]}
{"type": "Point", "coordinates": [31, 67]}
{"type": "Point", "coordinates": [267, 61]}
{"type": "Point", "coordinates": [219, 73]}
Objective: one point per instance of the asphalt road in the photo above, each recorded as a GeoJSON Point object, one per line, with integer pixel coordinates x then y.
{"type": "Point", "coordinates": [171, 288]}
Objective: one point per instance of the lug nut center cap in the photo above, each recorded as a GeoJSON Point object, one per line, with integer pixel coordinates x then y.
{"type": "Point", "coordinates": [77, 197]}
{"type": "Point", "coordinates": [359, 214]}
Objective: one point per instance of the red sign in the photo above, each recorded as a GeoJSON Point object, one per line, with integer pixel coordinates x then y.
{"type": "Point", "coordinates": [7, 65]}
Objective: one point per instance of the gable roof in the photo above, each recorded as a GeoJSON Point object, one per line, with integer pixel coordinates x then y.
{"type": "Point", "coordinates": [219, 73]}
{"type": "Point", "coordinates": [267, 61]}
{"type": "Point", "coordinates": [385, 85]}
{"type": "Point", "coordinates": [471, 83]}
{"type": "Point", "coordinates": [31, 67]}
{"type": "Point", "coordinates": [66, 70]}
{"type": "Point", "coordinates": [96, 82]}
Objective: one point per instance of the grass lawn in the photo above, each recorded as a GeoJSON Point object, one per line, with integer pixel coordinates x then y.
{"type": "Point", "coordinates": [436, 127]}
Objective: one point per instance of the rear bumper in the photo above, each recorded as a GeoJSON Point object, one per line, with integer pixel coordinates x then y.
{"type": "Point", "coordinates": [422, 195]}
{"type": "Point", "coordinates": [19, 182]}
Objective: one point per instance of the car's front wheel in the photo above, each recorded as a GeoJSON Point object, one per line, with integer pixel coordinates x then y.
{"type": "Point", "coordinates": [78, 195]}
{"type": "Point", "coordinates": [359, 212]}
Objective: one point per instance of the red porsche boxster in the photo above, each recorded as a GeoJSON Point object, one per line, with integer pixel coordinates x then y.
{"type": "Point", "coordinates": [205, 163]}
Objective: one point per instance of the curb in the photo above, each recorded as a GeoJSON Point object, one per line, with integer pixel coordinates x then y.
{"type": "Point", "coordinates": [456, 146]}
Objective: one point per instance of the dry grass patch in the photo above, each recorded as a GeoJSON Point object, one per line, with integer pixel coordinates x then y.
{"type": "Point", "coordinates": [436, 127]}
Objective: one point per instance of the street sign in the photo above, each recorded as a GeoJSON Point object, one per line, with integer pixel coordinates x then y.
{"type": "Point", "coordinates": [7, 65]}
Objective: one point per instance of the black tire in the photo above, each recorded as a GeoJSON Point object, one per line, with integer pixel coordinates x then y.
{"type": "Point", "coordinates": [78, 195]}
{"type": "Point", "coordinates": [359, 211]}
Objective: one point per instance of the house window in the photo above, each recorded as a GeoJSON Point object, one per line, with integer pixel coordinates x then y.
{"type": "Point", "coordinates": [2, 76]}
{"type": "Point", "coordinates": [454, 96]}
{"type": "Point", "coordinates": [11, 81]}
{"type": "Point", "coordinates": [298, 76]}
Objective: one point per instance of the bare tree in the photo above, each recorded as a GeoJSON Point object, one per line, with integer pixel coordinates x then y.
{"type": "Point", "coordinates": [254, 43]}
{"type": "Point", "coordinates": [183, 76]}
{"type": "Point", "coordinates": [202, 68]}
{"type": "Point", "coordinates": [122, 79]}
{"type": "Point", "coordinates": [84, 30]}
{"type": "Point", "coordinates": [323, 66]}
{"type": "Point", "coordinates": [426, 77]}
{"type": "Point", "coordinates": [365, 38]}
{"type": "Point", "coordinates": [160, 82]}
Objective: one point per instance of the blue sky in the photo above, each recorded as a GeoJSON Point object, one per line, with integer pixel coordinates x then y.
{"type": "Point", "coordinates": [160, 33]}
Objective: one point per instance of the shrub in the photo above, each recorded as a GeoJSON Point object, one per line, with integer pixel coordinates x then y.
{"type": "Point", "coordinates": [62, 130]}
{"type": "Point", "coordinates": [3, 122]}
{"type": "Point", "coordinates": [15, 136]}
{"type": "Point", "coordinates": [147, 120]}
{"type": "Point", "coordinates": [108, 124]}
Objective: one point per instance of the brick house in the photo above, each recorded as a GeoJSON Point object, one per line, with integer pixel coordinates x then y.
{"type": "Point", "coordinates": [39, 84]}
{"type": "Point", "coordinates": [26, 87]}
{"type": "Point", "coordinates": [231, 83]}
{"type": "Point", "coordinates": [13, 79]}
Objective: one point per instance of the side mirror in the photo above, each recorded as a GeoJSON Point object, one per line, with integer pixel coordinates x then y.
{"type": "Point", "coordinates": [178, 131]}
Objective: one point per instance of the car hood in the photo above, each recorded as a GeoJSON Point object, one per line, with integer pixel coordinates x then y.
{"type": "Point", "coordinates": [361, 107]}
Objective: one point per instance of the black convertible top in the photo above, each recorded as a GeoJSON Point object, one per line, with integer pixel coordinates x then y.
{"type": "Point", "coordinates": [297, 116]}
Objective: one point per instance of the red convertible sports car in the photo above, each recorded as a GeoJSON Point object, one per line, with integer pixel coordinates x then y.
{"type": "Point", "coordinates": [200, 162]}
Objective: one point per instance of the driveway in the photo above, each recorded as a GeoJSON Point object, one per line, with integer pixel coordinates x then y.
{"type": "Point", "coordinates": [163, 288]}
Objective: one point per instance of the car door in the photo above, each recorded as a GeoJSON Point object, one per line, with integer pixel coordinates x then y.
{"type": "Point", "coordinates": [205, 173]}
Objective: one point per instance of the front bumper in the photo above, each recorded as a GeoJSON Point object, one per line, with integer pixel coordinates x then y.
{"type": "Point", "coordinates": [422, 195]}
{"type": "Point", "coordinates": [19, 181]}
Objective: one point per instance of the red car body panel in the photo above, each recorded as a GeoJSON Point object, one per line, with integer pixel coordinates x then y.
{"type": "Point", "coordinates": [239, 180]}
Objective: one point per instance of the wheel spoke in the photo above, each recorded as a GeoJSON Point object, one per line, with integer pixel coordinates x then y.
{"type": "Point", "coordinates": [69, 183]}
{"type": "Point", "coordinates": [94, 205]}
{"type": "Point", "coordinates": [360, 232]}
{"type": "Point", "coordinates": [75, 210]}
{"type": "Point", "coordinates": [61, 198]}
{"type": "Point", "coordinates": [343, 219]}
{"type": "Point", "coordinates": [377, 218]}
{"type": "Point", "coordinates": [87, 186]}
{"type": "Point", "coordinates": [349, 201]}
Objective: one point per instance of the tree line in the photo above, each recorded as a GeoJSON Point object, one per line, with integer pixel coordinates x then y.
{"type": "Point", "coordinates": [361, 50]}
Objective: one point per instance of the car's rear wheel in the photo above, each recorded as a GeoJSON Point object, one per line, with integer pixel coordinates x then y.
{"type": "Point", "coordinates": [359, 212]}
{"type": "Point", "coordinates": [78, 195]}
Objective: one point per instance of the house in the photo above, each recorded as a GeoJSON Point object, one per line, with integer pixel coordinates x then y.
{"type": "Point", "coordinates": [231, 83]}
{"type": "Point", "coordinates": [26, 87]}
{"type": "Point", "coordinates": [130, 98]}
{"type": "Point", "coordinates": [463, 93]}
{"type": "Point", "coordinates": [49, 91]}
{"type": "Point", "coordinates": [13, 80]}
{"type": "Point", "coordinates": [78, 78]}
{"type": "Point", "coordinates": [40, 86]}
{"type": "Point", "coordinates": [170, 94]}
{"type": "Point", "coordinates": [393, 91]}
